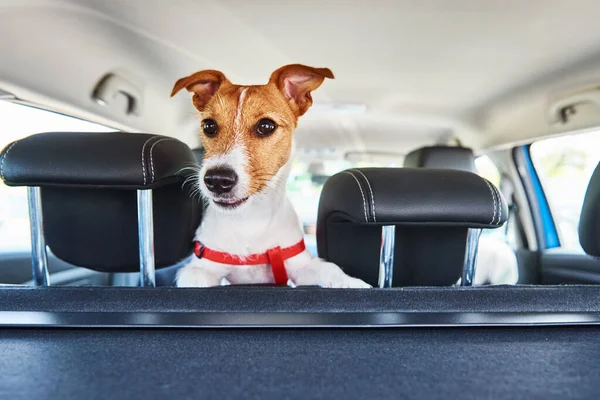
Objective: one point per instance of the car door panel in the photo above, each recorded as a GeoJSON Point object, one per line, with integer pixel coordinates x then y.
{"type": "Point", "coordinates": [568, 267]}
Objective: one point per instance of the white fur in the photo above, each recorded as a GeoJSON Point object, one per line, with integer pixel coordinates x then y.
{"type": "Point", "coordinates": [496, 264]}
{"type": "Point", "coordinates": [235, 159]}
{"type": "Point", "coordinates": [266, 220]}
{"type": "Point", "coordinates": [238, 115]}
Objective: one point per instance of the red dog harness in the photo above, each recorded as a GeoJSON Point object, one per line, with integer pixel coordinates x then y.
{"type": "Point", "coordinates": [275, 257]}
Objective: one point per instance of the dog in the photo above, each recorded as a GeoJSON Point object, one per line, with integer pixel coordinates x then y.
{"type": "Point", "coordinates": [250, 233]}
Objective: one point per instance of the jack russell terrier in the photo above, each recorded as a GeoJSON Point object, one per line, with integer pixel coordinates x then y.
{"type": "Point", "coordinates": [250, 233]}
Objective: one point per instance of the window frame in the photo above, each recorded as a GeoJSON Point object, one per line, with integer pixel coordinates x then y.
{"type": "Point", "coordinates": [546, 231]}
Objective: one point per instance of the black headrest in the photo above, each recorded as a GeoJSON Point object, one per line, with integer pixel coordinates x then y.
{"type": "Point", "coordinates": [589, 222]}
{"type": "Point", "coordinates": [199, 154]}
{"type": "Point", "coordinates": [387, 196]}
{"type": "Point", "coordinates": [115, 159]}
{"type": "Point", "coordinates": [432, 210]}
{"type": "Point", "coordinates": [442, 157]}
{"type": "Point", "coordinates": [89, 185]}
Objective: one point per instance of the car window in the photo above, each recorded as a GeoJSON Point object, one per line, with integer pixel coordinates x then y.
{"type": "Point", "coordinates": [16, 122]}
{"type": "Point", "coordinates": [487, 169]}
{"type": "Point", "coordinates": [565, 165]}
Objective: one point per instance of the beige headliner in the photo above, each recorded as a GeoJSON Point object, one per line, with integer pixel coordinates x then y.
{"type": "Point", "coordinates": [484, 71]}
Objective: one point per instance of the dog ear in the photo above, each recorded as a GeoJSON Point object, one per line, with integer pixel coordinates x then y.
{"type": "Point", "coordinates": [204, 84]}
{"type": "Point", "coordinates": [296, 81]}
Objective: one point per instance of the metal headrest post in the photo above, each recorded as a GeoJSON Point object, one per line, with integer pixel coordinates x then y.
{"type": "Point", "coordinates": [146, 237]}
{"type": "Point", "coordinates": [386, 256]}
{"type": "Point", "coordinates": [39, 257]}
{"type": "Point", "coordinates": [468, 272]}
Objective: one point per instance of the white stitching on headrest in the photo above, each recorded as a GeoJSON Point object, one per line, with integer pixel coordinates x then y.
{"type": "Point", "coordinates": [370, 190]}
{"type": "Point", "coordinates": [493, 199]}
{"type": "Point", "coordinates": [361, 193]}
{"type": "Point", "coordinates": [151, 158]}
{"type": "Point", "coordinates": [143, 163]}
{"type": "Point", "coordinates": [4, 158]}
{"type": "Point", "coordinates": [499, 204]}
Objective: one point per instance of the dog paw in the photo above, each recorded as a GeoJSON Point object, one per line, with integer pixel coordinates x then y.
{"type": "Point", "coordinates": [327, 275]}
{"type": "Point", "coordinates": [347, 282]}
{"type": "Point", "coordinates": [196, 277]}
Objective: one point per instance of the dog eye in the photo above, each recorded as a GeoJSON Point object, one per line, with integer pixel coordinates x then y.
{"type": "Point", "coordinates": [265, 127]}
{"type": "Point", "coordinates": [210, 127]}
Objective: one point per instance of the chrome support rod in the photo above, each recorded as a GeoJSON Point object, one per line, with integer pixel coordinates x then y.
{"type": "Point", "coordinates": [146, 237]}
{"type": "Point", "coordinates": [39, 257]}
{"type": "Point", "coordinates": [468, 272]}
{"type": "Point", "coordinates": [386, 257]}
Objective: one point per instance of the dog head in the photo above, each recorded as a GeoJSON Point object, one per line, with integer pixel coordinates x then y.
{"type": "Point", "coordinates": [247, 131]}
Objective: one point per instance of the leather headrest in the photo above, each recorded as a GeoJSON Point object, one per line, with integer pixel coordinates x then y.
{"type": "Point", "coordinates": [589, 222]}
{"type": "Point", "coordinates": [115, 159]}
{"type": "Point", "coordinates": [89, 184]}
{"type": "Point", "coordinates": [442, 157]}
{"type": "Point", "coordinates": [431, 209]}
{"type": "Point", "coordinates": [413, 195]}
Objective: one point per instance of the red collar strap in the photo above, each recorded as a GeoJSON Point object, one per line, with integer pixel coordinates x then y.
{"type": "Point", "coordinates": [275, 256]}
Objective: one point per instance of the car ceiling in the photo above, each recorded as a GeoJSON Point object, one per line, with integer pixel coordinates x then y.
{"type": "Point", "coordinates": [408, 72]}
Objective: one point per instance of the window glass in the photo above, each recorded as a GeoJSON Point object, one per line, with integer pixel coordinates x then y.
{"type": "Point", "coordinates": [487, 169]}
{"type": "Point", "coordinates": [16, 122]}
{"type": "Point", "coordinates": [565, 165]}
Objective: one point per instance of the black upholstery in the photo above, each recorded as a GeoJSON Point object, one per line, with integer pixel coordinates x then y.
{"type": "Point", "coordinates": [443, 157]}
{"type": "Point", "coordinates": [417, 363]}
{"type": "Point", "coordinates": [88, 183]}
{"type": "Point", "coordinates": [589, 222]}
{"type": "Point", "coordinates": [431, 209]}
{"type": "Point", "coordinates": [412, 363]}
{"type": "Point", "coordinates": [527, 299]}
{"type": "Point", "coordinates": [166, 276]}
{"type": "Point", "coordinates": [116, 159]}
{"type": "Point", "coordinates": [411, 195]}
{"type": "Point", "coordinates": [97, 229]}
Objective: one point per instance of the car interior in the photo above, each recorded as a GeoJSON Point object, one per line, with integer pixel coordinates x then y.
{"type": "Point", "coordinates": [453, 164]}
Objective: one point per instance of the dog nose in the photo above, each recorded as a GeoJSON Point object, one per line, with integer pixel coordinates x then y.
{"type": "Point", "coordinates": [220, 180]}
